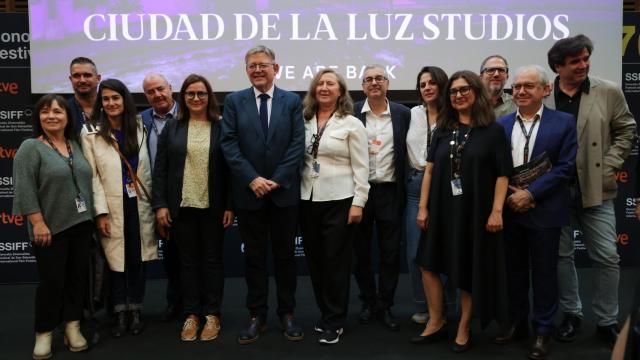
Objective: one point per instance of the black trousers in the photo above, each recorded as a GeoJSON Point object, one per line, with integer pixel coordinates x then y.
{"type": "Point", "coordinates": [535, 248]}
{"type": "Point", "coordinates": [63, 269]}
{"type": "Point", "coordinates": [380, 210]}
{"type": "Point", "coordinates": [171, 262]}
{"type": "Point", "coordinates": [328, 246]}
{"type": "Point", "coordinates": [127, 287]}
{"type": "Point", "coordinates": [200, 236]}
{"type": "Point", "coordinates": [257, 227]}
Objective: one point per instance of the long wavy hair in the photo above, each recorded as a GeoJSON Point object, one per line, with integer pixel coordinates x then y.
{"type": "Point", "coordinates": [129, 116]}
{"type": "Point", "coordinates": [344, 106]}
{"type": "Point", "coordinates": [47, 101]}
{"type": "Point", "coordinates": [482, 114]}
{"type": "Point", "coordinates": [213, 109]}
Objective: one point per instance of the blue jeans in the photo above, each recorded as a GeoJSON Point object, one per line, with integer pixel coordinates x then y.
{"type": "Point", "coordinates": [598, 224]}
{"type": "Point", "coordinates": [412, 237]}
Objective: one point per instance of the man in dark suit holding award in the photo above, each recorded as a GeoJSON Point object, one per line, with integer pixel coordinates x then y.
{"type": "Point", "coordinates": [386, 123]}
{"type": "Point", "coordinates": [543, 147]}
{"type": "Point", "coordinates": [263, 142]}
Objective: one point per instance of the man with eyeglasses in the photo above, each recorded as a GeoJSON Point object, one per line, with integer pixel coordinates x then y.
{"type": "Point", "coordinates": [159, 95]}
{"type": "Point", "coordinates": [386, 123]}
{"type": "Point", "coordinates": [263, 142]}
{"type": "Point", "coordinates": [536, 209]}
{"type": "Point", "coordinates": [494, 73]}
{"type": "Point", "coordinates": [84, 78]}
{"type": "Point", "coordinates": [606, 135]}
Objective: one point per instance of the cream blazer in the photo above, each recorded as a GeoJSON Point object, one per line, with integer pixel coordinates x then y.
{"type": "Point", "coordinates": [343, 156]}
{"type": "Point", "coordinates": [108, 195]}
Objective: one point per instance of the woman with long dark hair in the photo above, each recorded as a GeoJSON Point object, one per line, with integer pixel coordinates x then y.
{"type": "Point", "coordinates": [462, 197]}
{"type": "Point", "coordinates": [52, 188]}
{"type": "Point", "coordinates": [115, 145]}
{"type": "Point", "coordinates": [430, 84]}
{"type": "Point", "coordinates": [191, 197]}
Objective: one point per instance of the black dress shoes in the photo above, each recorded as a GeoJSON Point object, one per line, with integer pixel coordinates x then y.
{"type": "Point", "coordinates": [136, 325]}
{"type": "Point", "coordinates": [570, 326]}
{"type": "Point", "coordinates": [252, 332]}
{"type": "Point", "coordinates": [388, 320]}
{"type": "Point", "coordinates": [459, 348]}
{"type": "Point", "coordinates": [292, 331]}
{"type": "Point", "coordinates": [119, 329]}
{"type": "Point", "coordinates": [439, 334]}
{"type": "Point", "coordinates": [608, 333]}
{"type": "Point", "coordinates": [539, 347]}
{"type": "Point", "coordinates": [366, 313]}
{"type": "Point", "coordinates": [515, 332]}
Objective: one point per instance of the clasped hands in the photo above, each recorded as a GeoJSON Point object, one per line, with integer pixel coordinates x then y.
{"type": "Point", "coordinates": [261, 186]}
{"type": "Point", "coordinates": [520, 200]}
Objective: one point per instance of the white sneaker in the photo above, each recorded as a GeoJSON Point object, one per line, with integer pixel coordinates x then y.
{"type": "Point", "coordinates": [420, 318]}
{"type": "Point", "coordinates": [42, 348]}
{"type": "Point", "coordinates": [73, 338]}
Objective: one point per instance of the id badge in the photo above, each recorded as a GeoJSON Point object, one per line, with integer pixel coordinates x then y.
{"type": "Point", "coordinates": [456, 187]}
{"type": "Point", "coordinates": [374, 147]}
{"type": "Point", "coordinates": [315, 170]}
{"type": "Point", "coordinates": [131, 190]}
{"type": "Point", "coordinates": [80, 204]}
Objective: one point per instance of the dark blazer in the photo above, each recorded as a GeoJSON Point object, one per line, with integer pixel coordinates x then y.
{"type": "Point", "coordinates": [277, 156]}
{"type": "Point", "coordinates": [557, 136]}
{"type": "Point", "coordinates": [76, 113]}
{"type": "Point", "coordinates": [168, 172]}
{"type": "Point", "coordinates": [400, 118]}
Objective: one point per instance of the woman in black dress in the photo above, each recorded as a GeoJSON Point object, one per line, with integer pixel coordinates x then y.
{"type": "Point", "coordinates": [461, 202]}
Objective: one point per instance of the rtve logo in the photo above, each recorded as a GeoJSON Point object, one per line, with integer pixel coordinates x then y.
{"type": "Point", "coordinates": [622, 176]}
{"type": "Point", "coordinates": [10, 219]}
{"type": "Point", "coordinates": [7, 153]}
{"type": "Point", "coordinates": [10, 87]}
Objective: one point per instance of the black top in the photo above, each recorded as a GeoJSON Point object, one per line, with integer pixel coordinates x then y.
{"type": "Point", "coordinates": [456, 242]}
{"type": "Point", "coordinates": [566, 103]}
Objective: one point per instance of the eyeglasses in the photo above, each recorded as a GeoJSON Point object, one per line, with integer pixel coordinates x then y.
{"type": "Point", "coordinates": [370, 79]}
{"type": "Point", "coordinates": [193, 94]}
{"type": "Point", "coordinates": [313, 146]}
{"type": "Point", "coordinates": [493, 70]}
{"type": "Point", "coordinates": [463, 90]}
{"type": "Point", "coordinates": [526, 86]}
{"type": "Point", "coordinates": [258, 67]}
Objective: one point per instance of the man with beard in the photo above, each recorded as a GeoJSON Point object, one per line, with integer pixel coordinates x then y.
{"type": "Point", "coordinates": [84, 79]}
{"type": "Point", "coordinates": [158, 92]}
{"type": "Point", "coordinates": [494, 73]}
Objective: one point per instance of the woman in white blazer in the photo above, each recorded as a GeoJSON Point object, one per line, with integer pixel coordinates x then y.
{"type": "Point", "coordinates": [115, 146]}
{"type": "Point", "coordinates": [334, 190]}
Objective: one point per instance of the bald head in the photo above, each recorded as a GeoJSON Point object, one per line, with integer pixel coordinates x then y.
{"type": "Point", "coordinates": [158, 93]}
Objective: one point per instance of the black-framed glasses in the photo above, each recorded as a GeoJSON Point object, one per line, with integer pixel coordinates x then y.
{"type": "Point", "coordinates": [193, 94]}
{"type": "Point", "coordinates": [371, 79]}
{"type": "Point", "coordinates": [463, 90]}
{"type": "Point", "coordinates": [259, 67]}
{"type": "Point", "coordinates": [492, 70]}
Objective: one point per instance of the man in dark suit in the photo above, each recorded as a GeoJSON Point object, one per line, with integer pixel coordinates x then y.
{"type": "Point", "coordinates": [538, 210]}
{"type": "Point", "coordinates": [386, 123]}
{"type": "Point", "coordinates": [84, 78]}
{"type": "Point", "coordinates": [263, 142]}
{"type": "Point", "coordinates": [158, 92]}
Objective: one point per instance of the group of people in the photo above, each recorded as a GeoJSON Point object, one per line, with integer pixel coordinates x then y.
{"type": "Point", "coordinates": [483, 184]}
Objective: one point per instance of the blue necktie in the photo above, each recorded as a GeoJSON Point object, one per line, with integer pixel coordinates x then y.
{"type": "Point", "coordinates": [264, 113]}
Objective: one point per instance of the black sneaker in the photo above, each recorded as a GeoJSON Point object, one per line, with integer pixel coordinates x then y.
{"type": "Point", "coordinates": [318, 327]}
{"type": "Point", "coordinates": [330, 337]}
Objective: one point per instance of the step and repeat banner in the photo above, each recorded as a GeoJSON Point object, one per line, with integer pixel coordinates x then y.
{"type": "Point", "coordinates": [210, 37]}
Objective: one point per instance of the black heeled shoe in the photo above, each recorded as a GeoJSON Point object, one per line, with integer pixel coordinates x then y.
{"type": "Point", "coordinates": [460, 348]}
{"type": "Point", "coordinates": [439, 334]}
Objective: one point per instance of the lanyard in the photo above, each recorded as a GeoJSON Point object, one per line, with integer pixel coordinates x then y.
{"type": "Point", "coordinates": [455, 152]}
{"type": "Point", "coordinates": [68, 160]}
{"type": "Point", "coordinates": [527, 136]}
{"type": "Point", "coordinates": [315, 139]}
{"type": "Point", "coordinates": [429, 135]}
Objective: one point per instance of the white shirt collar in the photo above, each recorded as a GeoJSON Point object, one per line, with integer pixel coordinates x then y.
{"type": "Point", "coordinates": [257, 92]}
{"type": "Point", "coordinates": [538, 114]}
{"type": "Point", "coordinates": [173, 112]}
{"type": "Point", "coordinates": [367, 108]}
